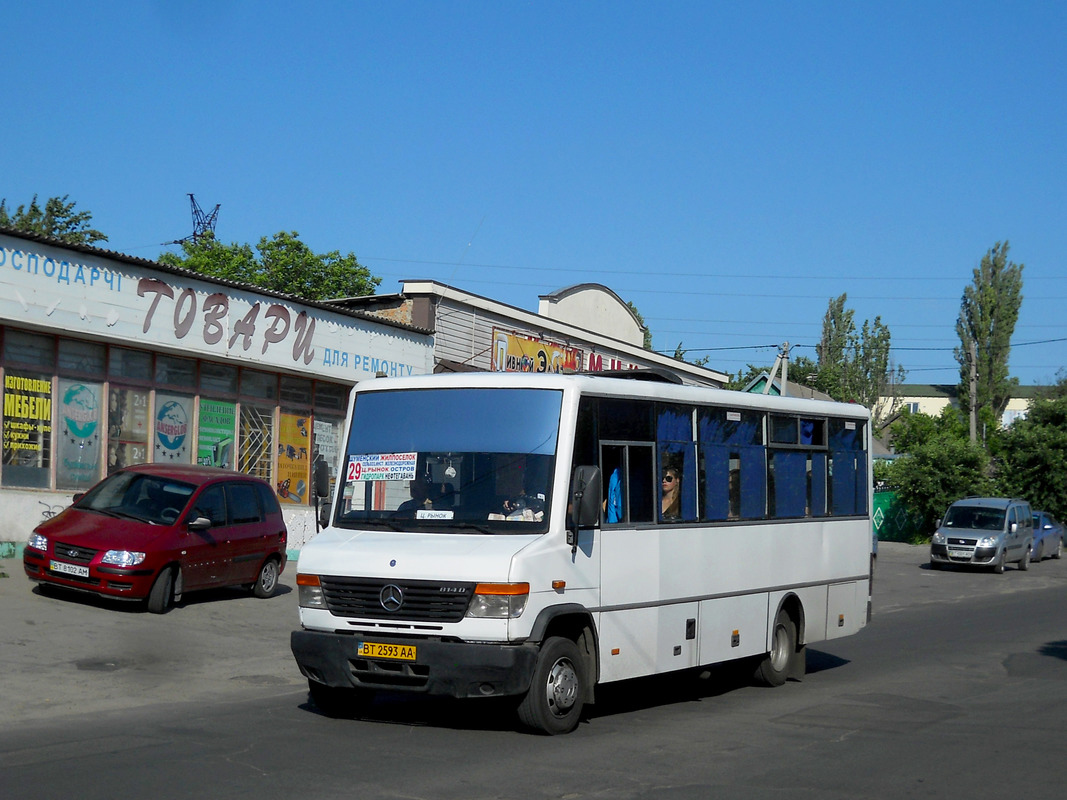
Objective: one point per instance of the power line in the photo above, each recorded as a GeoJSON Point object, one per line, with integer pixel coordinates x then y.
{"type": "Point", "coordinates": [666, 273]}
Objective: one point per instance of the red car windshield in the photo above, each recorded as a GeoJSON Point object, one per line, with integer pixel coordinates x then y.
{"type": "Point", "coordinates": [147, 497]}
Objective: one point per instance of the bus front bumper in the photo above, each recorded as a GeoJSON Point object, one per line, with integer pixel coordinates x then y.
{"type": "Point", "coordinates": [447, 668]}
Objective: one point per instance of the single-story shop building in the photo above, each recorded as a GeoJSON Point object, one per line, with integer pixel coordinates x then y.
{"type": "Point", "coordinates": [108, 360]}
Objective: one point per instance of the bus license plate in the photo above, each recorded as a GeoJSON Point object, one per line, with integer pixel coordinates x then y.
{"type": "Point", "coordinates": [400, 652]}
{"type": "Point", "coordinates": [77, 570]}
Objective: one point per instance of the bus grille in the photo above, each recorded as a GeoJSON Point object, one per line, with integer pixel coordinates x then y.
{"type": "Point", "coordinates": [421, 601]}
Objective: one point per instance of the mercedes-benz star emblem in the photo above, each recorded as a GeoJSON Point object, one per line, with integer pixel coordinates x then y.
{"type": "Point", "coordinates": [391, 597]}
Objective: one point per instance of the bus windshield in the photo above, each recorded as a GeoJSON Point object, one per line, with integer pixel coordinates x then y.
{"type": "Point", "coordinates": [451, 460]}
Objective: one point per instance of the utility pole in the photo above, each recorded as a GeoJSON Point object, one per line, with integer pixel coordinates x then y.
{"type": "Point", "coordinates": [782, 359]}
{"type": "Point", "coordinates": [972, 360]}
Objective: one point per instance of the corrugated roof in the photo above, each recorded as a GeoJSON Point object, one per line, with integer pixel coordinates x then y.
{"type": "Point", "coordinates": [122, 258]}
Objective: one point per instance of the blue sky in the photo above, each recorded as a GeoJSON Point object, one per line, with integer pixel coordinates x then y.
{"type": "Point", "coordinates": [727, 167]}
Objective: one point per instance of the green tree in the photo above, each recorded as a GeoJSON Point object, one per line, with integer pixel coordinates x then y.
{"type": "Point", "coordinates": [856, 366]}
{"type": "Point", "coordinates": [937, 472]}
{"type": "Point", "coordinates": [1033, 455]}
{"type": "Point", "coordinates": [57, 220]}
{"type": "Point", "coordinates": [988, 313]}
{"type": "Point", "coordinates": [912, 430]}
{"type": "Point", "coordinates": [281, 263]}
{"type": "Point", "coordinates": [832, 352]}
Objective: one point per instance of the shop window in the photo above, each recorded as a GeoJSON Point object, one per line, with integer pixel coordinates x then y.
{"type": "Point", "coordinates": [294, 458]}
{"type": "Point", "coordinates": [135, 365]}
{"type": "Point", "coordinates": [331, 398]}
{"type": "Point", "coordinates": [78, 443]}
{"type": "Point", "coordinates": [259, 385]}
{"type": "Point", "coordinates": [172, 423]}
{"type": "Point", "coordinates": [29, 349]}
{"type": "Point", "coordinates": [127, 426]}
{"type": "Point", "coordinates": [257, 441]}
{"type": "Point", "coordinates": [326, 443]}
{"type": "Point", "coordinates": [81, 358]}
{"type": "Point", "coordinates": [171, 371]}
{"type": "Point", "coordinates": [218, 380]}
{"type": "Point", "coordinates": [216, 432]}
{"type": "Point", "coordinates": [296, 393]}
{"type": "Point", "coordinates": [27, 437]}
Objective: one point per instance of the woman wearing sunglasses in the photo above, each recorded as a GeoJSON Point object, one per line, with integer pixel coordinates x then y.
{"type": "Point", "coordinates": [671, 492]}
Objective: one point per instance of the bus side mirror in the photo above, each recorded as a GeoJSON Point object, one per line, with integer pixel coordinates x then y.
{"type": "Point", "coordinates": [321, 478]}
{"type": "Point", "coordinates": [320, 484]}
{"type": "Point", "coordinates": [584, 502]}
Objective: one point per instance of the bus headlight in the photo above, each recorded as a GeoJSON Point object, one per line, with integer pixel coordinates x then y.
{"type": "Point", "coordinates": [499, 600]}
{"type": "Point", "coordinates": [309, 591]}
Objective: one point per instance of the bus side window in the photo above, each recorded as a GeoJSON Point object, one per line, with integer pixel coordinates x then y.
{"type": "Point", "coordinates": [629, 490]}
{"type": "Point", "coordinates": [642, 481]}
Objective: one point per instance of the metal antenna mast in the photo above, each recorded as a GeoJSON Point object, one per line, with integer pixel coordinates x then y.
{"type": "Point", "coordinates": [202, 223]}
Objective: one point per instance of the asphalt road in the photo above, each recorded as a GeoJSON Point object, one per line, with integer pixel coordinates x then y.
{"type": "Point", "coordinates": [958, 688]}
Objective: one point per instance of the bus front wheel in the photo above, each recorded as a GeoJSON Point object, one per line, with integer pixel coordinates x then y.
{"type": "Point", "coordinates": [554, 701]}
{"type": "Point", "coordinates": [773, 668]}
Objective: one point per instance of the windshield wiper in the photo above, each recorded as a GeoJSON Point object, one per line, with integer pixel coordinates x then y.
{"type": "Point", "coordinates": [471, 526]}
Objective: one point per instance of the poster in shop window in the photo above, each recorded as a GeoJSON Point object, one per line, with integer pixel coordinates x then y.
{"type": "Point", "coordinates": [127, 420]}
{"type": "Point", "coordinates": [27, 429]}
{"type": "Point", "coordinates": [294, 465]}
{"type": "Point", "coordinates": [171, 441]}
{"type": "Point", "coordinates": [80, 423]}
{"type": "Point", "coordinates": [218, 422]}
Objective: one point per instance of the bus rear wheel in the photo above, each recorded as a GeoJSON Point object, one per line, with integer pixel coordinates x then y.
{"type": "Point", "coordinates": [773, 668]}
{"type": "Point", "coordinates": [554, 702]}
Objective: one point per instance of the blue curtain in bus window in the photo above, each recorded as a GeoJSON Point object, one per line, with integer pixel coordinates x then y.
{"type": "Point", "coordinates": [862, 482]}
{"type": "Point", "coordinates": [716, 482]}
{"type": "Point", "coordinates": [790, 483]}
{"type": "Point", "coordinates": [849, 487]}
{"type": "Point", "coordinates": [844, 486]}
{"type": "Point", "coordinates": [714, 428]}
{"type": "Point", "coordinates": [818, 484]}
{"type": "Point", "coordinates": [674, 434]}
{"type": "Point", "coordinates": [807, 431]}
{"type": "Point", "coordinates": [753, 483]}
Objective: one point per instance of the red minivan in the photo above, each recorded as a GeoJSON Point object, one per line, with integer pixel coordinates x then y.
{"type": "Point", "coordinates": [154, 531]}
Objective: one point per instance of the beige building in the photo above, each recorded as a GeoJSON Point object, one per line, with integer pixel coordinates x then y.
{"type": "Point", "coordinates": [931, 399]}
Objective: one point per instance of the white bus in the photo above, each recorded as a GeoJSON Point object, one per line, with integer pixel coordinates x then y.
{"type": "Point", "coordinates": [534, 536]}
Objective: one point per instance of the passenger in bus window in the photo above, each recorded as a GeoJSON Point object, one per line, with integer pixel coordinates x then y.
{"type": "Point", "coordinates": [671, 485]}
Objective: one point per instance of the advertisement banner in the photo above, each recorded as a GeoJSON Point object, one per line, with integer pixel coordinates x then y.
{"type": "Point", "coordinates": [172, 428]}
{"type": "Point", "coordinates": [294, 465]}
{"type": "Point", "coordinates": [27, 429]}
{"type": "Point", "coordinates": [218, 426]}
{"type": "Point", "coordinates": [127, 420]}
{"type": "Point", "coordinates": [515, 353]}
{"type": "Point", "coordinates": [80, 425]}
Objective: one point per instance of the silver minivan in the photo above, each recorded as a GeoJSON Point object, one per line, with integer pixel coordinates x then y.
{"type": "Point", "coordinates": [984, 532]}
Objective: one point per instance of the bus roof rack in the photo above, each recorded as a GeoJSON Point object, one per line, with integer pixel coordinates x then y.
{"type": "Point", "coordinates": [658, 374]}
